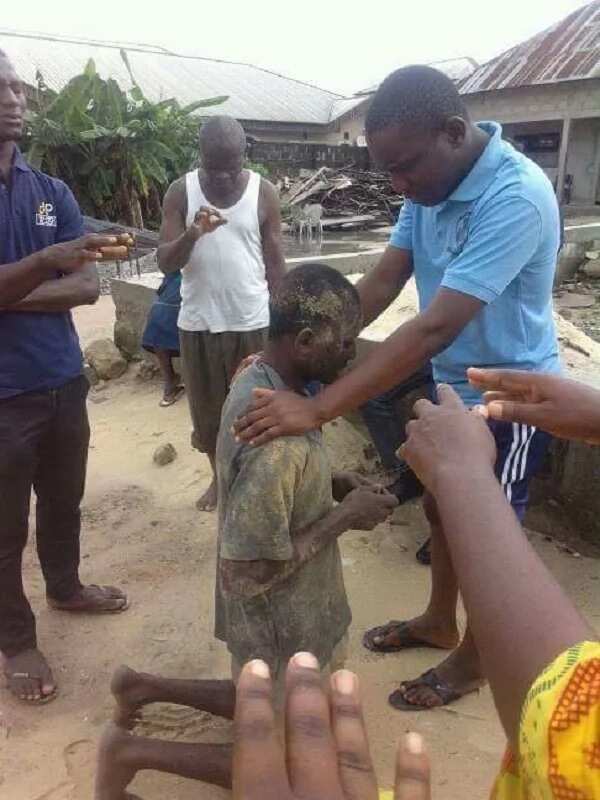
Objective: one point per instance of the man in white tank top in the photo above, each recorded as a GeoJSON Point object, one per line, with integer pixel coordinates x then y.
{"type": "Point", "coordinates": [222, 227]}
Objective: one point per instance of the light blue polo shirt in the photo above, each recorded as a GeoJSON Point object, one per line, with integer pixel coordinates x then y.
{"type": "Point", "coordinates": [495, 238]}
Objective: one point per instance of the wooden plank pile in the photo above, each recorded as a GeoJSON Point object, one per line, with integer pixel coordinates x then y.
{"type": "Point", "coordinates": [348, 192]}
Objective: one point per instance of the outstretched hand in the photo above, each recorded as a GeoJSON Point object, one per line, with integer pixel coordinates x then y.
{"type": "Point", "coordinates": [327, 746]}
{"type": "Point", "coordinates": [565, 408]}
{"type": "Point", "coordinates": [447, 438]}
{"type": "Point", "coordinates": [276, 413]}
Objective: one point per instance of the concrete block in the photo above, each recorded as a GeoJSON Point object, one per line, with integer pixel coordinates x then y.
{"type": "Point", "coordinates": [592, 268]}
{"type": "Point", "coordinates": [570, 259]}
{"type": "Point", "coordinates": [133, 298]}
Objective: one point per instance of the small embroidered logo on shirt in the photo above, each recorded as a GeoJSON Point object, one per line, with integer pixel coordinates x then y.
{"type": "Point", "coordinates": [461, 234]}
{"type": "Point", "coordinates": [44, 216]}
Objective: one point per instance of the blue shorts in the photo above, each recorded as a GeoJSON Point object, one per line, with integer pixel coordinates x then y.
{"type": "Point", "coordinates": [521, 450]}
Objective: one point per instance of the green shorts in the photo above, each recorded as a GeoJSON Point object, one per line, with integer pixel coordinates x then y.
{"type": "Point", "coordinates": [209, 362]}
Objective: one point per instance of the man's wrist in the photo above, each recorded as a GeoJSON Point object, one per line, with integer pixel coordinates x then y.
{"type": "Point", "coordinates": [192, 234]}
{"type": "Point", "coordinates": [320, 410]}
{"type": "Point", "coordinates": [450, 477]}
{"type": "Point", "coordinates": [43, 262]}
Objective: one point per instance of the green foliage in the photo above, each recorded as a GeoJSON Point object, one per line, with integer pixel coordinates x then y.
{"type": "Point", "coordinates": [262, 169]}
{"type": "Point", "coordinates": [116, 149]}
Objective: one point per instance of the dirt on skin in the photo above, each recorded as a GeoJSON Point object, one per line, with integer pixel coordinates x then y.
{"type": "Point", "coordinates": [141, 531]}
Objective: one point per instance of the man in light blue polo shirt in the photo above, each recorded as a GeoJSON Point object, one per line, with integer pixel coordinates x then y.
{"type": "Point", "coordinates": [480, 233]}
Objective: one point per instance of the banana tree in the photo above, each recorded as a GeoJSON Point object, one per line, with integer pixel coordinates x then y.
{"type": "Point", "coordinates": [116, 149]}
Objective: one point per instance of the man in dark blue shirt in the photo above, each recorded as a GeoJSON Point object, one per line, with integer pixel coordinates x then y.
{"type": "Point", "coordinates": [46, 268]}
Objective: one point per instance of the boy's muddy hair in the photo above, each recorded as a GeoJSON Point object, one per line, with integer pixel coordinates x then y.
{"type": "Point", "coordinates": [312, 296]}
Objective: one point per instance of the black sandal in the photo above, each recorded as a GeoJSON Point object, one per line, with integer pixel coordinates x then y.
{"type": "Point", "coordinates": [423, 554]}
{"type": "Point", "coordinates": [431, 679]}
{"type": "Point", "coordinates": [407, 640]}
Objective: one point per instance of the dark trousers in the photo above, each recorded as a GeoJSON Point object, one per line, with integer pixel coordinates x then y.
{"type": "Point", "coordinates": [385, 416]}
{"type": "Point", "coordinates": [44, 439]}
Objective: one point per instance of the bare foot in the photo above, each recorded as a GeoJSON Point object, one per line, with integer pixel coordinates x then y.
{"type": "Point", "coordinates": [208, 501]}
{"type": "Point", "coordinates": [112, 777]}
{"type": "Point", "coordinates": [171, 394]}
{"type": "Point", "coordinates": [456, 676]}
{"type": "Point", "coordinates": [93, 600]}
{"type": "Point", "coordinates": [394, 636]}
{"type": "Point", "coordinates": [29, 677]}
{"type": "Point", "coordinates": [130, 693]}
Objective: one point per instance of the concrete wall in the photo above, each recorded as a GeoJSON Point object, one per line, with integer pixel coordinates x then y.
{"type": "Point", "coordinates": [289, 157]}
{"type": "Point", "coordinates": [544, 108]}
{"type": "Point", "coordinates": [582, 159]}
{"type": "Point", "coordinates": [352, 124]}
{"type": "Point", "coordinates": [574, 99]}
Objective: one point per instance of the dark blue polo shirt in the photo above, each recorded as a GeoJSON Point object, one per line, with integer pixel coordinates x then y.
{"type": "Point", "coordinates": [38, 351]}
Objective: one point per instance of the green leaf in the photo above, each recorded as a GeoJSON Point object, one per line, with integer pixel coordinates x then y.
{"type": "Point", "coordinates": [35, 155]}
{"type": "Point", "coordinates": [90, 69]}
{"type": "Point", "coordinates": [125, 58]}
{"type": "Point", "coordinates": [212, 101]}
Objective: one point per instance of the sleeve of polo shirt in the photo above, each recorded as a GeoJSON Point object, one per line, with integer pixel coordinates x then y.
{"type": "Point", "coordinates": [402, 235]}
{"type": "Point", "coordinates": [70, 220]}
{"type": "Point", "coordinates": [260, 503]}
{"type": "Point", "coordinates": [502, 239]}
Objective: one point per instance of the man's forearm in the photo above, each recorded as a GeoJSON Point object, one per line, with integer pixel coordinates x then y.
{"type": "Point", "coordinates": [19, 279]}
{"type": "Point", "coordinates": [61, 294]}
{"type": "Point", "coordinates": [390, 363]}
{"type": "Point", "coordinates": [173, 256]}
{"type": "Point", "coordinates": [378, 291]}
{"type": "Point", "coordinates": [274, 263]}
{"type": "Point", "coordinates": [251, 578]}
{"type": "Point", "coordinates": [513, 603]}
{"type": "Point", "coordinates": [274, 270]}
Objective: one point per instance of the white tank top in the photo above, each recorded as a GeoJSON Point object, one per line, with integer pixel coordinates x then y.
{"type": "Point", "coordinates": [224, 285]}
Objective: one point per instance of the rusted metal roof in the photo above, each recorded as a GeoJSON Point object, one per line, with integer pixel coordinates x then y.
{"type": "Point", "coordinates": [569, 50]}
{"type": "Point", "coordinates": [253, 93]}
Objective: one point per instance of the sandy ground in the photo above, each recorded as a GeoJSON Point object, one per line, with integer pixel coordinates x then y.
{"type": "Point", "coordinates": [141, 531]}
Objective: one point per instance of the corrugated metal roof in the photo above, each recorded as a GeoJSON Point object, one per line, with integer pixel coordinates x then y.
{"type": "Point", "coordinates": [254, 93]}
{"type": "Point", "coordinates": [455, 68]}
{"type": "Point", "coordinates": [343, 105]}
{"type": "Point", "coordinates": [569, 50]}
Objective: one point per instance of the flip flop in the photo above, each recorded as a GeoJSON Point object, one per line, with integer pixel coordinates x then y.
{"type": "Point", "coordinates": [423, 554]}
{"type": "Point", "coordinates": [41, 701]}
{"type": "Point", "coordinates": [87, 609]}
{"type": "Point", "coordinates": [407, 640]}
{"type": "Point", "coordinates": [172, 398]}
{"type": "Point", "coordinates": [431, 679]}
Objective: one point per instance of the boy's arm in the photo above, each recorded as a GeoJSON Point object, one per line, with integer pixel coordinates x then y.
{"type": "Point", "coordinates": [257, 550]}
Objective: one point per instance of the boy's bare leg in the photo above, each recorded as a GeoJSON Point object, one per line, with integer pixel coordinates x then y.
{"type": "Point", "coordinates": [132, 690]}
{"type": "Point", "coordinates": [121, 756]}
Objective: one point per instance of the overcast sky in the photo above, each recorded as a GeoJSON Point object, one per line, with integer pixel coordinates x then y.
{"type": "Point", "coordinates": [341, 46]}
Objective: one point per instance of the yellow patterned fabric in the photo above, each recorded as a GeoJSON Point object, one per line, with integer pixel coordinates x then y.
{"type": "Point", "coordinates": [559, 736]}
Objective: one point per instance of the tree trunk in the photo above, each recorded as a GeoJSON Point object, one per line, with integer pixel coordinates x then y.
{"type": "Point", "coordinates": [136, 210]}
